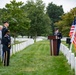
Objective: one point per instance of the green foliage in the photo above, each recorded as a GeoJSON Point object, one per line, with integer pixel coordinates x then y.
{"type": "Point", "coordinates": [26, 19]}
{"type": "Point", "coordinates": [66, 21]}
{"type": "Point", "coordinates": [16, 16]}
{"type": "Point", "coordinates": [54, 12]}
{"type": "Point", "coordinates": [40, 22]}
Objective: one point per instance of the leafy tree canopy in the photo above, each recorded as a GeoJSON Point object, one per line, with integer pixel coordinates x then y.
{"type": "Point", "coordinates": [35, 11]}
{"type": "Point", "coordinates": [16, 16]}
{"type": "Point", "coordinates": [66, 21]}
{"type": "Point", "coordinates": [54, 11]}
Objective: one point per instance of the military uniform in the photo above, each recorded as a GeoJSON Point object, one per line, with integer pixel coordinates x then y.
{"type": "Point", "coordinates": [59, 36]}
{"type": "Point", "coordinates": [6, 49]}
{"type": "Point", "coordinates": [4, 31]}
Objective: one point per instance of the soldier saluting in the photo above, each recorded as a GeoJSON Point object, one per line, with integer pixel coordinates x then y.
{"type": "Point", "coordinates": [4, 32]}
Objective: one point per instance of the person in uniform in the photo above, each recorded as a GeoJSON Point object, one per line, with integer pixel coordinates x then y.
{"type": "Point", "coordinates": [59, 36]}
{"type": "Point", "coordinates": [6, 47]}
{"type": "Point", "coordinates": [4, 29]}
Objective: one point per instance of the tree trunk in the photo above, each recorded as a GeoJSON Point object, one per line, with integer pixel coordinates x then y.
{"type": "Point", "coordinates": [35, 37]}
{"type": "Point", "coordinates": [14, 38]}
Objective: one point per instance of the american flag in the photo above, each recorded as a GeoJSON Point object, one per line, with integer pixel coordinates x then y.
{"type": "Point", "coordinates": [72, 28]}
{"type": "Point", "coordinates": [73, 32]}
{"type": "Point", "coordinates": [74, 40]}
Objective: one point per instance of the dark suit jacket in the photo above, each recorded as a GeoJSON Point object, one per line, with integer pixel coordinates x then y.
{"type": "Point", "coordinates": [59, 35]}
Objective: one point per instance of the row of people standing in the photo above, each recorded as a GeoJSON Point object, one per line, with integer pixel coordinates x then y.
{"type": "Point", "coordinates": [6, 44]}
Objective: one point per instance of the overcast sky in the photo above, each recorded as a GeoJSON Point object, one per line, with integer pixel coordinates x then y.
{"type": "Point", "coordinates": [67, 4]}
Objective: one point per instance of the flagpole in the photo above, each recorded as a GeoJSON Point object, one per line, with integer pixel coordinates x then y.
{"type": "Point", "coordinates": [71, 47]}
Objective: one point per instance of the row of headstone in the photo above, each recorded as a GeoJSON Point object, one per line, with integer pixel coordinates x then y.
{"type": "Point", "coordinates": [17, 47]}
{"type": "Point", "coordinates": [71, 59]}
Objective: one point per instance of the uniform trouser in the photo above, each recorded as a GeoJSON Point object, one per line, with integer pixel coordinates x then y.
{"type": "Point", "coordinates": [6, 55]}
{"type": "Point", "coordinates": [58, 47]}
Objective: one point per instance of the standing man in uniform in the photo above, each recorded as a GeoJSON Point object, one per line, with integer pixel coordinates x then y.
{"type": "Point", "coordinates": [59, 36]}
{"type": "Point", "coordinates": [5, 28]}
{"type": "Point", "coordinates": [6, 47]}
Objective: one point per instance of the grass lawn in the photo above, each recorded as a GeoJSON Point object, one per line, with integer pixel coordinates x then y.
{"type": "Point", "coordinates": [36, 60]}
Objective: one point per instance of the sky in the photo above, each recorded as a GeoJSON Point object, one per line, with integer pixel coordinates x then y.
{"type": "Point", "coordinates": [67, 4]}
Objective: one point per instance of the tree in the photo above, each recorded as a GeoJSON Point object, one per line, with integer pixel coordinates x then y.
{"type": "Point", "coordinates": [16, 16]}
{"type": "Point", "coordinates": [54, 12]}
{"type": "Point", "coordinates": [66, 21]}
{"type": "Point", "coordinates": [2, 12]}
{"type": "Point", "coordinates": [36, 14]}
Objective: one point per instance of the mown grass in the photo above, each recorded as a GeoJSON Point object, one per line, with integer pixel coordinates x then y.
{"type": "Point", "coordinates": [36, 60]}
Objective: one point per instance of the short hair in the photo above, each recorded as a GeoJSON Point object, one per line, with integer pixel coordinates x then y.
{"type": "Point", "coordinates": [56, 28]}
{"type": "Point", "coordinates": [5, 22]}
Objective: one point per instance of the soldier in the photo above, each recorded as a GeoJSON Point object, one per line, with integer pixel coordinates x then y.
{"type": "Point", "coordinates": [6, 48]}
{"type": "Point", "coordinates": [59, 36]}
{"type": "Point", "coordinates": [4, 29]}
